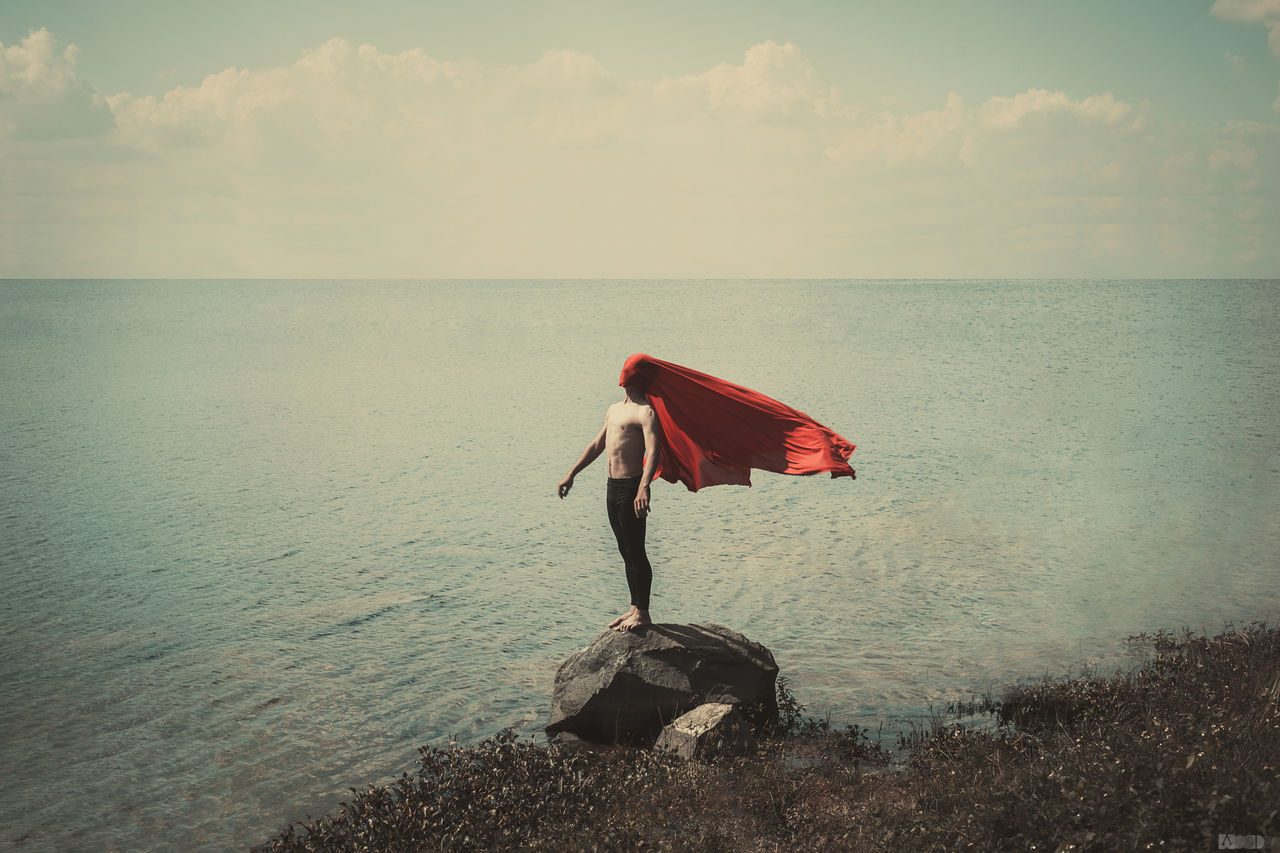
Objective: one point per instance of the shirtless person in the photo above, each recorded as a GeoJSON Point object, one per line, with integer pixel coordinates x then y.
{"type": "Point", "coordinates": [629, 440]}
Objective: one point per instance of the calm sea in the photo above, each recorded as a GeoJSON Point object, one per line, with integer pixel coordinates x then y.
{"type": "Point", "coordinates": [261, 540]}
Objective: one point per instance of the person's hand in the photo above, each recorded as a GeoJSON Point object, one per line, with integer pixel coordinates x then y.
{"type": "Point", "coordinates": [565, 485]}
{"type": "Point", "coordinates": [642, 502]}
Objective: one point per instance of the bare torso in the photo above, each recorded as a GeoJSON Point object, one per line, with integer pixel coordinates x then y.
{"type": "Point", "coordinates": [624, 438]}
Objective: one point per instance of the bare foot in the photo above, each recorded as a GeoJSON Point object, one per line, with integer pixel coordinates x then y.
{"type": "Point", "coordinates": [634, 620]}
{"type": "Point", "coordinates": [624, 617]}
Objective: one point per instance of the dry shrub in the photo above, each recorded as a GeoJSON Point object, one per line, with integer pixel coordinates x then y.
{"type": "Point", "coordinates": [1165, 757]}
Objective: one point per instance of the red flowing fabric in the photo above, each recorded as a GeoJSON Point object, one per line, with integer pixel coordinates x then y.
{"type": "Point", "coordinates": [715, 432]}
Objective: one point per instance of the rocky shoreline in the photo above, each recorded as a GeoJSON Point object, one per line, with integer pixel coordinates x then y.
{"type": "Point", "coordinates": [1179, 753]}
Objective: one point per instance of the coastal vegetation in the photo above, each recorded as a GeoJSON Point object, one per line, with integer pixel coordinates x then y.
{"type": "Point", "coordinates": [1172, 754]}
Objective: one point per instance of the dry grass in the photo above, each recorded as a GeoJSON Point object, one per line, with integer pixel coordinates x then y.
{"type": "Point", "coordinates": [1164, 757]}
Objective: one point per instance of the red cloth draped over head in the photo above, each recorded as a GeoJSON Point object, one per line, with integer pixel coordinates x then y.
{"type": "Point", "coordinates": [715, 432]}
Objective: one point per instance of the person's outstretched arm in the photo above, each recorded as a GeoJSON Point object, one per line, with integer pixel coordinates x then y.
{"type": "Point", "coordinates": [594, 449]}
{"type": "Point", "coordinates": [652, 450]}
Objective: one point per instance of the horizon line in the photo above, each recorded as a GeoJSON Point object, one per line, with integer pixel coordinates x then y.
{"type": "Point", "coordinates": [638, 278]}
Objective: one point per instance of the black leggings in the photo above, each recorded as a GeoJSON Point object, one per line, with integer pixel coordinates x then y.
{"type": "Point", "coordinates": [629, 530]}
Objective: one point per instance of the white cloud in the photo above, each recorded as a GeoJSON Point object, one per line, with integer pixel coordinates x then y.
{"type": "Point", "coordinates": [1265, 12]}
{"type": "Point", "coordinates": [1039, 108]}
{"type": "Point", "coordinates": [334, 89]}
{"type": "Point", "coordinates": [1246, 10]}
{"type": "Point", "coordinates": [1038, 135]}
{"type": "Point", "coordinates": [1237, 63]}
{"type": "Point", "coordinates": [353, 161]}
{"type": "Point", "coordinates": [570, 70]}
{"type": "Point", "coordinates": [905, 137]}
{"type": "Point", "coordinates": [1240, 158]}
{"type": "Point", "coordinates": [40, 95]}
{"type": "Point", "coordinates": [775, 83]}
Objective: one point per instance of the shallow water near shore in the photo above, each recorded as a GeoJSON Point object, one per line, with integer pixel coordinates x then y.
{"type": "Point", "coordinates": [261, 540]}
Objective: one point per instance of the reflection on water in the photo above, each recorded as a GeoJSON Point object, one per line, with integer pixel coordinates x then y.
{"type": "Point", "coordinates": [261, 540]}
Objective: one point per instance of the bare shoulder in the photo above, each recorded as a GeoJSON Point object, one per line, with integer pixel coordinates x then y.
{"type": "Point", "coordinates": [629, 414]}
{"type": "Point", "coordinates": [649, 421]}
{"type": "Point", "coordinates": [643, 416]}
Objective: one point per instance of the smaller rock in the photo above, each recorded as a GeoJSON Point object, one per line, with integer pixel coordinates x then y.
{"type": "Point", "coordinates": [570, 741]}
{"type": "Point", "coordinates": [716, 727]}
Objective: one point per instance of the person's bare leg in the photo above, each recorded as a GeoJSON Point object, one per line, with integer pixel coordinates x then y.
{"type": "Point", "coordinates": [616, 622]}
{"type": "Point", "coordinates": [636, 619]}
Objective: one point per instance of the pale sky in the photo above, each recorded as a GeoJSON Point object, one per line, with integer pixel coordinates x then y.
{"type": "Point", "coordinates": [917, 138]}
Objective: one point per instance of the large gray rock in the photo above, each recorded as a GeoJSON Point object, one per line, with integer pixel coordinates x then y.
{"type": "Point", "coordinates": [625, 686]}
{"type": "Point", "coordinates": [711, 729]}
